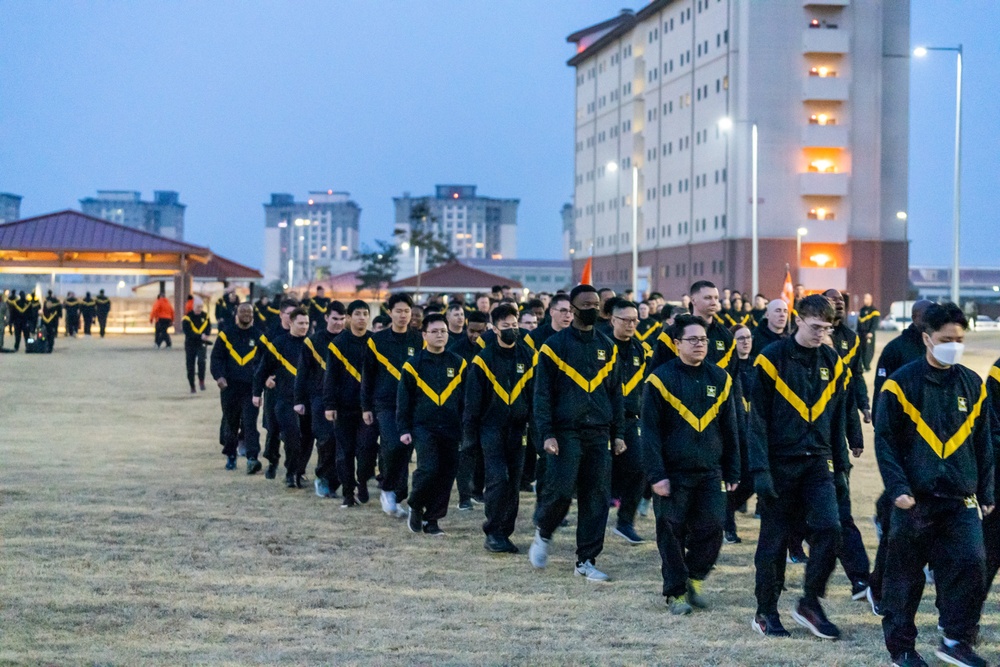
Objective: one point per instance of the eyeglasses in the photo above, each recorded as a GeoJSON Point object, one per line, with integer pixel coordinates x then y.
{"type": "Point", "coordinates": [627, 320]}
{"type": "Point", "coordinates": [696, 340]}
{"type": "Point", "coordinates": [821, 328]}
{"type": "Point", "coordinates": [744, 339]}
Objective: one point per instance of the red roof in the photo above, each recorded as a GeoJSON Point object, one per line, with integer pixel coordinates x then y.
{"type": "Point", "coordinates": [454, 274]}
{"type": "Point", "coordinates": [224, 269]}
{"type": "Point", "coordinates": [72, 231]}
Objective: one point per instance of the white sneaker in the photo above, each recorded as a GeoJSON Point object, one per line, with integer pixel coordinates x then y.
{"type": "Point", "coordinates": [389, 502]}
{"type": "Point", "coordinates": [587, 569]}
{"type": "Point", "coordinates": [538, 553]}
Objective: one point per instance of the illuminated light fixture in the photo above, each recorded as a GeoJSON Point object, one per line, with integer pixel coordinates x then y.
{"type": "Point", "coordinates": [310, 202]}
{"type": "Point", "coordinates": [821, 214]}
{"type": "Point", "coordinates": [612, 167]}
{"type": "Point", "coordinates": [725, 123]}
{"type": "Point", "coordinates": [344, 248]}
{"type": "Point", "coordinates": [496, 256]}
{"type": "Point", "coordinates": [572, 251]}
{"type": "Point", "coordinates": [480, 245]}
{"type": "Point", "coordinates": [801, 231]}
{"type": "Point", "coordinates": [823, 71]}
{"type": "Point", "coordinates": [283, 224]}
{"type": "Point", "coordinates": [821, 259]}
{"type": "Point", "coordinates": [454, 195]}
{"type": "Point", "coordinates": [822, 118]}
{"type": "Point", "coordinates": [814, 23]}
{"type": "Point", "coordinates": [323, 248]}
{"type": "Point", "coordinates": [996, 288]}
{"type": "Point", "coordinates": [329, 192]}
{"type": "Point", "coordinates": [301, 222]}
{"type": "Point", "coordinates": [823, 166]}
{"type": "Point", "coordinates": [920, 51]}
{"type": "Point", "coordinates": [901, 215]}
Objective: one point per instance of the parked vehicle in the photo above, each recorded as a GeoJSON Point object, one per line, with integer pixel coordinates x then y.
{"type": "Point", "coordinates": [983, 323]}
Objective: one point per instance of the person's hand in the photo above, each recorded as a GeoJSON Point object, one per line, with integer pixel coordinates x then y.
{"type": "Point", "coordinates": [368, 418]}
{"type": "Point", "coordinates": [867, 415]}
{"type": "Point", "coordinates": [732, 487]}
{"type": "Point", "coordinates": [662, 488]}
{"type": "Point", "coordinates": [406, 439]}
{"type": "Point", "coordinates": [270, 383]}
{"type": "Point", "coordinates": [205, 337]}
{"type": "Point", "coordinates": [619, 446]}
{"type": "Point", "coordinates": [763, 485]}
{"type": "Point", "coordinates": [222, 383]}
{"type": "Point", "coordinates": [905, 502]}
{"type": "Point", "coordinates": [551, 445]}
{"type": "Point", "coordinates": [331, 415]}
{"type": "Point", "coordinates": [856, 452]}
{"type": "Point", "coordinates": [256, 401]}
{"type": "Point", "coordinates": [300, 409]}
{"type": "Point", "coordinates": [986, 509]}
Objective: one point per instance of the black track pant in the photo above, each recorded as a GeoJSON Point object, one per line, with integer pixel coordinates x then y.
{"type": "Point", "coordinates": [539, 463]}
{"type": "Point", "coordinates": [102, 322]}
{"type": "Point", "coordinates": [20, 330]}
{"type": "Point", "coordinates": [161, 337]}
{"type": "Point", "coordinates": [238, 412]}
{"type": "Point", "coordinates": [948, 533]}
{"type": "Point", "coordinates": [503, 456]}
{"type": "Point", "coordinates": [51, 331]}
{"type": "Point", "coordinates": [530, 460]}
{"type": "Point", "coordinates": [883, 512]}
{"type": "Point", "coordinates": [852, 555]}
{"type": "Point", "coordinates": [801, 482]}
{"type": "Point", "coordinates": [195, 355]}
{"type": "Point", "coordinates": [290, 428]}
{"type": "Point", "coordinates": [308, 438]}
{"type": "Point", "coordinates": [395, 455]}
{"type": "Point", "coordinates": [627, 478]}
{"type": "Point", "coordinates": [583, 466]}
{"type": "Point", "coordinates": [326, 445]}
{"type": "Point", "coordinates": [272, 442]}
{"type": "Point", "coordinates": [357, 444]}
{"type": "Point", "coordinates": [437, 463]}
{"type": "Point", "coordinates": [689, 528]}
{"type": "Point", "coordinates": [736, 499]}
{"type": "Point", "coordinates": [88, 322]}
{"type": "Point", "coordinates": [471, 473]}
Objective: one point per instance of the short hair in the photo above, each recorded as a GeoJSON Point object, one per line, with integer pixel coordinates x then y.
{"type": "Point", "coordinates": [336, 307]}
{"type": "Point", "coordinates": [399, 297]}
{"type": "Point", "coordinates": [736, 327]}
{"type": "Point", "coordinates": [610, 304]}
{"type": "Point", "coordinates": [559, 296]}
{"type": "Point", "coordinates": [483, 294]}
{"type": "Point", "coordinates": [299, 310]}
{"type": "Point", "coordinates": [503, 287]}
{"type": "Point", "coordinates": [669, 311]}
{"type": "Point", "coordinates": [818, 306]}
{"type": "Point", "coordinates": [534, 303]}
{"type": "Point", "coordinates": [618, 304]}
{"type": "Point", "coordinates": [357, 304]}
{"type": "Point", "coordinates": [496, 288]}
{"type": "Point", "coordinates": [760, 296]}
{"type": "Point", "coordinates": [526, 311]}
{"type": "Point", "coordinates": [682, 322]}
{"type": "Point", "coordinates": [431, 319]}
{"type": "Point", "coordinates": [581, 289]}
{"type": "Point", "coordinates": [288, 303]}
{"type": "Point", "coordinates": [938, 315]}
{"type": "Point", "coordinates": [655, 295]}
{"type": "Point", "coordinates": [605, 289]}
{"type": "Point", "coordinates": [502, 312]}
{"type": "Point", "coordinates": [384, 320]}
{"type": "Point", "coordinates": [700, 285]}
{"type": "Point", "coordinates": [456, 305]}
{"type": "Point", "coordinates": [477, 317]}
{"type": "Point", "coordinates": [319, 288]}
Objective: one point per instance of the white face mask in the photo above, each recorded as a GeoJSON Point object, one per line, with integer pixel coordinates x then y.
{"type": "Point", "coordinates": [948, 354]}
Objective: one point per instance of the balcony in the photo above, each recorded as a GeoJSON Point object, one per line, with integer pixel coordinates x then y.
{"type": "Point", "coordinates": [816, 184]}
{"type": "Point", "coordinates": [824, 136]}
{"type": "Point", "coordinates": [816, 279]}
{"type": "Point", "coordinates": [825, 89]}
{"type": "Point", "coordinates": [819, 40]}
{"type": "Point", "coordinates": [825, 231]}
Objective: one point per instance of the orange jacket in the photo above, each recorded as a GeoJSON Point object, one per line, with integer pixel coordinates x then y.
{"type": "Point", "coordinates": [162, 310]}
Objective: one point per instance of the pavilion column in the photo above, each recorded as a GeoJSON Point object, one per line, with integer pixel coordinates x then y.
{"type": "Point", "coordinates": [182, 287]}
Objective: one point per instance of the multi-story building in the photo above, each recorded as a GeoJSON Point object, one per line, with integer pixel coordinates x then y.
{"type": "Point", "coordinates": [302, 240]}
{"type": "Point", "coordinates": [476, 227]}
{"type": "Point", "coordinates": [10, 207]}
{"type": "Point", "coordinates": [535, 275]}
{"type": "Point", "coordinates": [164, 215]}
{"type": "Point", "coordinates": [671, 96]}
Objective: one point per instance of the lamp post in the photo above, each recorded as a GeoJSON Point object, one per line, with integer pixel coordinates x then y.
{"type": "Point", "coordinates": [726, 124]}
{"type": "Point", "coordinates": [799, 233]}
{"type": "Point", "coordinates": [920, 52]}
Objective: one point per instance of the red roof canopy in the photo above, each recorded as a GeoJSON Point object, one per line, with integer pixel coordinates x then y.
{"type": "Point", "coordinates": [455, 275]}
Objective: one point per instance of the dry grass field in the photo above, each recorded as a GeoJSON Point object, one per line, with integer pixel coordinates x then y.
{"type": "Point", "coordinates": [124, 542]}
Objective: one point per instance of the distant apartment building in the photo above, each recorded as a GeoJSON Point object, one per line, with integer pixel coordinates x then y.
{"type": "Point", "coordinates": [536, 275]}
{"type": "Point", "coordinates": [303, 239]}
{"type": "Point", "coordinates": [164, 215]}
{"type": "Point", "coordinates": [10, 207]}
{"type": "Point", "coordinates": [474, 226]}
{"type": "Point", "coordinates": [824, 82]}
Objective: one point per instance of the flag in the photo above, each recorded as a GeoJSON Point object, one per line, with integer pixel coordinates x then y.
{"type": "Point", "coordinates": [585, 276]}
{"type": "Point", "coordinates": [788, 291]}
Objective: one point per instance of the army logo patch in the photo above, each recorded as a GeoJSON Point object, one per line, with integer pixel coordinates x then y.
{"type": "Point", "coordinates": [409, 351]}
{"type": "Point", "coordinates": [720, 346]}
{"type": "Point", "coordinates": [843, 345]}
{"type": "Point", "coordinates": [451, 372]}
{"type": "Point", "coordinates": [711, 391]}
{"type": "Point", "coordinates": [824, 373]}
{"type": "Point", "coordinates": [881, 372]}
{"type": "Point", "coordinates": [251, 343]}
{"type": "Point", "coordinates": [963, 405]}
{"type": "Point", "coordinates": [520, 368]}
{"type": "Point", "coordinates": [602, 355]}
{"type": "Point", "coordinates": [635, 361]}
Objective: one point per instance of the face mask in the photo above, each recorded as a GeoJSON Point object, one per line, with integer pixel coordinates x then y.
{"type": "Point", "coordinates": [509, 336]}
{"type": "Point", "coordinates": [948, 354]}
{"type": "Point", "coordinates": [587, 317]}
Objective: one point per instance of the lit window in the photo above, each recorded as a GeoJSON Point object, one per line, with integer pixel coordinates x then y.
{"type": "Point", "coordinates": [823, 72]}
{"type": "Point", "coordinates": [823, 166]}
{"type": "Point", "coordinates": [821, 214]}
{"type": "Point", "coordinates": [822, 119]}
{"type": "Point", "coordinates": [821, 259]}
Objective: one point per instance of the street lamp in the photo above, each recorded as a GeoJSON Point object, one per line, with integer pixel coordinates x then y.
{"type": "Point", "coordinates": [726, 124]}
{"type": "Point", "coordinates": [612, 167]}
{"type": "Point", "coordinates": [920, 52]}
{"type": "Point", "coordinates": [799, 233]}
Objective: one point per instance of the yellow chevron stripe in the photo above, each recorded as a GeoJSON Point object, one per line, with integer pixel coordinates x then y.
{"type": "Point", "coordinates": [629, 386]}
{"type": "Point", "coordinates": [697, 424]}
{"type": "Point", "coordinates": [500, 391]}
{"type": "Point", "coordinates": [437, 399]}
{"type": "Point", "coordinates": [668, 341]}
{"type": "Point", "coordinates": [316, 355]}
{"type": "Point", "coordinates": [194, 328]}
{"type": "Point", "coordinates": [870, 315]}
{"type": "Point", "coordinates": [277, 355]}
{"type": "Point", "coordinates": [995, 373]}
{"type": "Point", "coordinates": [242, 361]}
{"type": "Point", "coordinates": [649, 331]}
{"type": "Point", "coordinates": [807, 414]}
{"type": "Point", "coordinates": [724, 361]}
{"type": "Point", "coordinates": [573, 374]}
{"type": "Point", "coordinates": [392, 370]}
{"type": "Point", "coordinates": [347, 365]}
{"type": "Point", "coordinates": [942, 449]}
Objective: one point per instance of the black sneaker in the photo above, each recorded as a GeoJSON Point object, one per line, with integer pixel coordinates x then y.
{"type": "Point", "coordinates": [809, 614]}
{"type": "Point", "coordinates": [769, 625]}
{"type": "Point", "coordinates": [465, 505]}
{"type": "Point", "coordinates": [362, 493]}
{"type": "Point", "coordinates": [300, 481]}
{"type": "Point", "coordinates": [432, 528]}
{"type": "Point", "coordinates": [230, 463]}
{"type": "Point", "coordinates": [290, 481]}
{"type": "Point", "coordinates": [797, 556]}
{"type": "Point", "coordinates": [349, 501]}
{"type": "Point", "coordinates": [908, 659]}
{"type": "Point", "coordinates": [859, 590]}
{"type": "Point", "coordinates": [731, 537]}
{"type": "Point", "coordinates": [272, 471]}
{"type": "Point", "coordinates": [415, 522]}
{"type": "Point", "coordinates": [253, 466]}
{"type": "Point", "coordinates": [627, 533]}
{"type": "Point", "coordinates": [960, 654]}
{"type": "Point", "coordinates": [495, 544]}
{"type": "Point", "coordinates": [510, 546]}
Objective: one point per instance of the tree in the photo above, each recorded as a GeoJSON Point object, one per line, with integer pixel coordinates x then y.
{"type": "Point", "coordinates": [378, 266]}
{"type": "Point", "coordinates": [322, 273]}
{"type": "Point", "coordinates": [434, 248]}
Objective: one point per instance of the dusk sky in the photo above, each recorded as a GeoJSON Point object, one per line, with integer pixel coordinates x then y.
{"type": "Point", "coordinates": [227, 102]}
